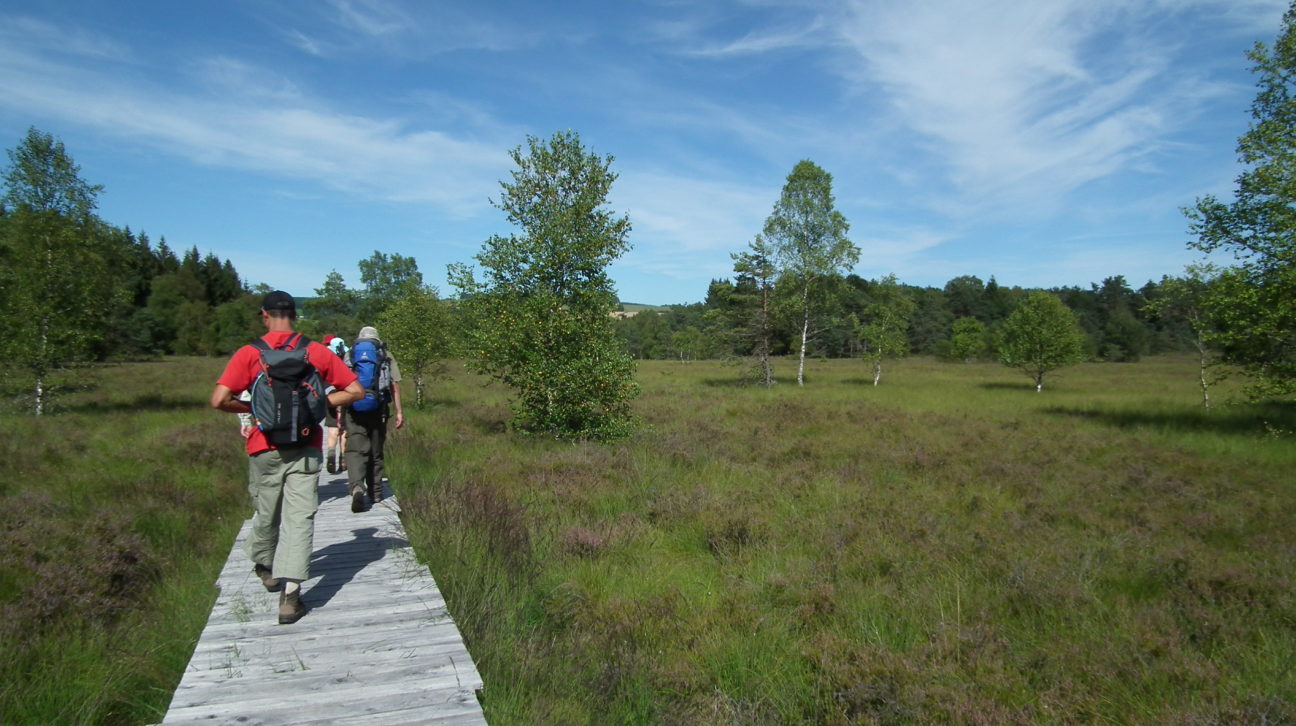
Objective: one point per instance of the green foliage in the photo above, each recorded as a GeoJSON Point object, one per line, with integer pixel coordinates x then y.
{"type": "Point", "coordinates": [417, 328]}
{"type": "Point", "coordinates": [60, 268]}
{"type": "Point", "coordinates": [752, 307]}
{"type": "Point", "coordinates": [335, 309]}
{"type": "Point", "coordinates": [807, 236]}
{"type": "Point", "coordinates": [1256, 300]}
{"type": "Point", "coordinates": [882, 327]}
{"type": "Point", "coordinates": [968, 342]}
{"type": "Point", "coordinates": [386, 278]}
{"type": "Point", "coordinates": [1041, 335]}
{"type": "Point", "coordinates": [540, 321]}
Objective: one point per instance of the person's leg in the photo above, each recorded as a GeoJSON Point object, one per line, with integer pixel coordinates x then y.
{"type": "Point", "coordinates": [357, 451]}
{"type": "Point", "coordinates": [265, 485]}
{"type": "Point", "coordinates": [377, 442]}
{"type": "Point", "coordinates": [300, 501]}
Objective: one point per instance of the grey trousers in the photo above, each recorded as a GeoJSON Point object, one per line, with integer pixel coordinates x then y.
{"type": "Point", "coordinates": [366, 436]}
{"type": "Point", "coordinates": [282, 485]}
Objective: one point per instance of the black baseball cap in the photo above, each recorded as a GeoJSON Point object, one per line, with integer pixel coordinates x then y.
{"type": "Point", "coordinates": [279, 300]}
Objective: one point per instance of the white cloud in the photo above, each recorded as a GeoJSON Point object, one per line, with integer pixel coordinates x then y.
{"type": "Point", "coordinates": [1024, 102]}
{"type": "Point", "coordinates": [254, 119]}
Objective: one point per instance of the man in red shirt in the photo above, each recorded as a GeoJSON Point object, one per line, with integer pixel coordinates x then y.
{"type": "Point", "coordinates": [282, 481]}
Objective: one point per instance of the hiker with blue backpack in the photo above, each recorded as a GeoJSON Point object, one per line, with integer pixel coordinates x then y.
{"type": "Point", "coordinates": [366, 419]}
{"type": "Point", "coordinates": [287, 374]}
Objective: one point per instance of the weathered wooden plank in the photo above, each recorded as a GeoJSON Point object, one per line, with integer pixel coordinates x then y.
{"type": "Point", "coordinates": [377, 646]}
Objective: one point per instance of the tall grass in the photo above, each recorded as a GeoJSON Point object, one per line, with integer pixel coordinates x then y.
{"type": "Point", "coordinates": [947, 547]}
{"type": "Point", "coordinates": [118, 511]}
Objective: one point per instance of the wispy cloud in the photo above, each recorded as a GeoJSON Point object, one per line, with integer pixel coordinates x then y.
{"type": "Point", "coordinates": [762, 41]}
{"type": "Point", "coordinates": [375, 18]}
{"type": "Point", "coordinates": [18, 31]}
{"type": "Point", "coordinates": [250, 118]}
{"type": "Point", "coordinates": [1023, 102]}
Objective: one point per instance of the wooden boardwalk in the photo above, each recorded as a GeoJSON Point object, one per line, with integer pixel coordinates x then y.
{"type": "Point", "coordinates": [377, 646]}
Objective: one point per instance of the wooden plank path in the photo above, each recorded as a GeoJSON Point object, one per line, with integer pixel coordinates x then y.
{"type": "Point", "coordinates": [377, 646]}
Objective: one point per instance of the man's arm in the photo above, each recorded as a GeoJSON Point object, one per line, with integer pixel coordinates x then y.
{"type": "Point", "coordinates": [400, 412]}
{"type": "Point", "coordinates": [350, 394]}
{"type": "Point", "coordinates": [223, 399]}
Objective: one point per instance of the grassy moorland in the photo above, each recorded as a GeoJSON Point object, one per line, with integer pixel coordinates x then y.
{"type": "Point", "coordinates": [949, 547]}
{"type": "Point", "coordinates": [119, 509]}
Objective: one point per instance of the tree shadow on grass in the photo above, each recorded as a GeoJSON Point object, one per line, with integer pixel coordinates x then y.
{"type": "Point", "coordinates": [1240, 420]}
{"type": "Point", "coordinates": [1005, 386]}
{"type": "Point", "coordinates": [150, 403]}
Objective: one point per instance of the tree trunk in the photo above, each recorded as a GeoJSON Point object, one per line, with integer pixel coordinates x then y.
{"type": "Point", "coordinates": [418, 390]}
{"type": "Point", "coordinates": [41, 369]}
{"type": "Point", "coordinates": [877, 371]}
{"type": "Point", "coordinates": [805, 333]}
{"type": "Point", "coordinates": [1203, 360]}
{"type": "Point", "coordinates": [1039, 381]}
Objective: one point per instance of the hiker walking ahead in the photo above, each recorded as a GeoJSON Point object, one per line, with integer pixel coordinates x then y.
{"type": "Point", "coordinates": [366, 419]}
{"type": "Point", "coordinates": [286, 374]}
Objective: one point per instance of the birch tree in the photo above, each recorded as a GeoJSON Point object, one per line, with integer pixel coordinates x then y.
{"type": "Point", "coordinates": [417, 328]}
{"type": "Point", "coordinates": [808, 236]}
{"type": "Point", "coordinates": [1189, 298]}
{"type": "Point", "coordinates": [1041, 335]}
{"type": "Point", "coordinates": [1257, 297]}
{"type": "Point", "coordinates": [541, 319]}
{"type": "Point", "coordinates": [59, 265]}
{"type": "Point", "coordinates": [882, 328]}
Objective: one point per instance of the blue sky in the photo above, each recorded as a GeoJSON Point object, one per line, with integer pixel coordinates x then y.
{"type": "Point", "coordinates": [1044, 143]}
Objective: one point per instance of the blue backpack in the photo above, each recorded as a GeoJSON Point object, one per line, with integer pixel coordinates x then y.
{"type": "Point", "coordinates": [372, 367]}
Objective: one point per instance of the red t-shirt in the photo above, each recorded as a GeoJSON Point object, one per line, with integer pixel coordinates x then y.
{"type": "Point", "coordinates": [245, 366]}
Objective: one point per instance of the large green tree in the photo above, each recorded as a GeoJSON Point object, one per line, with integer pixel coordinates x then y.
{"type": "Point", "coordinates": [60, 266]}
{"type": "Point", "coordinates": [336, 308]}
{"type": "Point", "coordinates": [1041, 335]}
{"type": "Point", "coordinates": [540, 320]}
{"type": "Point", "coordinates": [1257, 298]}
{"type": "Point", "coordinates": [418, 328]}
{"type": "Point", "coordinates": [386, 278]}
{"type": "Point", "coordinates": [808, 236]}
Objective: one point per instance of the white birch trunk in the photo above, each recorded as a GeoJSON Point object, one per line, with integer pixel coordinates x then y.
{"type": "Point", "coordinates": [805, 331]}
{"type": "Point", "coordinates": [877, 371]}
{"type": "Point", "coordinates": [1205, 382]}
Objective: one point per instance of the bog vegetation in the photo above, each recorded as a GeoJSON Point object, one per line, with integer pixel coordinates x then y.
{"type": "Point", "coordinates": [951, 547]}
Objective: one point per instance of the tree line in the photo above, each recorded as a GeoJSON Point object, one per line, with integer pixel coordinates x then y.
{"type": "Point", "coordinates": [958, 321]}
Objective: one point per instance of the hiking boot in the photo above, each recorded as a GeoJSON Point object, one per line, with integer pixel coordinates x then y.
{"type": "Point", "coordinates": [271, 584]}
{"type": "Point", "coordinates": [358, 502]}
{"type": "Point", "coordinates": [330, 467]}
{"type": "Point", "coordinates": [290, 607]}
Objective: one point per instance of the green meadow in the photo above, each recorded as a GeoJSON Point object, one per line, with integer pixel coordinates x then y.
{"type": "Point", "coordinates": [947, 547]}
